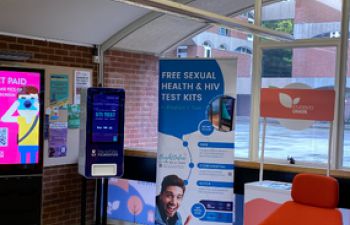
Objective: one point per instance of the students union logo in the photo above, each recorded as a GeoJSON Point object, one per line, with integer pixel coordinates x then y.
{"type": "Point", "coordinates": [288, 102]}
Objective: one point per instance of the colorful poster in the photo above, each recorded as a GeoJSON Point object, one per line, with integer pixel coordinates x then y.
{"type": "Point", "coordinates": [19, 116]}
{"type": "Point", "coordinates": [58, 119]}
{"type": "Point", "coordinates": [59, 89]}
{"type": "Point", "coordinates": [131, 201]}
{"type": "Point", "coordinates": [73, 116]}
{"type": "Point", "coordinates": [196, 142]}
{"type": "Point", "coordinates": [82, 80]}
{"type": "Point", "coordinates": [58, 130]}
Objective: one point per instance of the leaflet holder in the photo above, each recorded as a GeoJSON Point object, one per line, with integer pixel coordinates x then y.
{"type": "Point", "coordinates": [102, 133]}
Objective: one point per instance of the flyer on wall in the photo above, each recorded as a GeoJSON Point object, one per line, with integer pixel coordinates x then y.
{"type": "Point", "coordinates": [58, 115]}
{"type": "Point", "coordinates": [196, 141]}
{"type": "Point", "coordinates": [82, 79]}
{"type": "Point", "coordinates": [58, 130]}
{"type": "Point", "coordinates": [73, 116]}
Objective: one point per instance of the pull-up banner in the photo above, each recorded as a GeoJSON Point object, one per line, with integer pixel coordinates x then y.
{"type": "Point", "coordinates": [196, 141]}
{"type": "Point", "coordinates": [302, 104]}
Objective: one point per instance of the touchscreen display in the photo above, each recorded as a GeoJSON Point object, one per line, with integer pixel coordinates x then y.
{"type": "Point", "coordinates": [19, 116]}
{"type": "Point", "coordinates": [105, 118]}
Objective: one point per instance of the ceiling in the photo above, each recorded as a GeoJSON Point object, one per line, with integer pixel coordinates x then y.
{"type": "Point", "coordinates": [106, 22]}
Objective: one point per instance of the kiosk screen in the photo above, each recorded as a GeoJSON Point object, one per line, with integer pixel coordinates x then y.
{"type": "Point", "coordinates": [105, 118]}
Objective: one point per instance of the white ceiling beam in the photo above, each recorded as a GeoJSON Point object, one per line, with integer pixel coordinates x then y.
{"type": "Point", "coordinates": [132, 27]}
{"type": "Point", "coordinates": [182, 10]}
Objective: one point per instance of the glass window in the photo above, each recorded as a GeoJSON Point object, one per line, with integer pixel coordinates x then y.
{"type": "Point", "coordinates": [305, 19]}
{"type": "Point", "coordinates": [302, 68]}
{"type": "Point", "coordinates": [212, 44]}
{"type": "Point", "coordinates": [346, 148]}
{"type": "Point", "coordinates": [224, 31]}
{"type": "Point", "coordinates": [222, 47]}
{"type": "Point", "coordinates": [245, 50]}
{"type": "Point", "coordinates": [207, 51]}
{"type": "Point", "coordinates": [182, 51]}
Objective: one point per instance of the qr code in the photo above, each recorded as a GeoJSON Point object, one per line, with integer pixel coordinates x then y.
{"type": "Point", "coordinates": [3, 136]}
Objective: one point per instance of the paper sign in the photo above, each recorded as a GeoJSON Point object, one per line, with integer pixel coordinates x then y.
{"type": "Point", "coordinates": [82, 80]}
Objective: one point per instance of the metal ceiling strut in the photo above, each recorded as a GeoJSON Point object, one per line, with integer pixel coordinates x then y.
{"type": "Point", "coordinates": [178, 9]}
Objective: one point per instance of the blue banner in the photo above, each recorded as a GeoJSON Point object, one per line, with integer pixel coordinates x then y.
{"type": "Point", "coordinates": [197, 100]}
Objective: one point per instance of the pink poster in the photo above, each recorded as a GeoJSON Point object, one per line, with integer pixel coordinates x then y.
{"type": "Point", "coordinates": [19, 117]}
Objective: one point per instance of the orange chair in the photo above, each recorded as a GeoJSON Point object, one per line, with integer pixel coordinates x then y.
{"type": "Point", "coordinates": [315, 198]}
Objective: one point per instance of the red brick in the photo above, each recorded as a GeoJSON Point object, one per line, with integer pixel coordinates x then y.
{"type": "Point", "coordinates": [47, 50]}
{"type": "Point", "coordinates": [31, 48]}
{"type": "Point", "coordinates": [3, 45]}
{"type": "Point", "coordinates": [8, 38]}
{"type": "Point", "coordinates": [61, 52]}
{"type": "Point", "coordinates": [40, 43]}
{"type": "Point", "coordinates": [16, 47]}
{"type": "Point", "coordinates": [24, 41]}
{"type": "Point", "coordinates": [55, 45]}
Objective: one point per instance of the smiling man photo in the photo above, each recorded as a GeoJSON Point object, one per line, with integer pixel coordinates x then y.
{"type": "Point", "coordinates": [169, 201]}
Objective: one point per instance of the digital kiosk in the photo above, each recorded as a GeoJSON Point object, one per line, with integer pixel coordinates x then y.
{"type": "Point", "coordinates": [102, 132]}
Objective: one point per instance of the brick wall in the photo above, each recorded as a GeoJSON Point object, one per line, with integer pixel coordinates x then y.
{"type": "Point", "coordinates": [61, 184]}
{"type": "Point", "coordinates": [138, 75]}
{"type": "Point", "coordinates": [312, 11]}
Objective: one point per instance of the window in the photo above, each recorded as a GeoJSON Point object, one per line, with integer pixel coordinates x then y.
{"type": "Point", "coordinates": [346, 154]}
{"type": "Point", "coordinates": [223, 47]}
{"type": "Point", "coordinates": [245, 50]}
{"type": "Point", "coordinates": [346, 137]}
{"type": "Point", "coordinates": [181, 51]}
{"type": "Point", "coordinates": [306, 18]}
{"type": "Point", "coordinates": [207, 49]}
{"type": "Point", "coordinates": [277, 63]}
{"type": "Point", "coordinates": [313, 68]}
{"type": "Point", "coordinates": [334, 34]}
{"type": "Point", "coordinates": [250, 37]}
{"type": "Point", "coordinates": [224, 31]}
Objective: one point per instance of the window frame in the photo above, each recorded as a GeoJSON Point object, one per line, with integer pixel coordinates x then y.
{"type": "Point", "coordinates": [336, 148]}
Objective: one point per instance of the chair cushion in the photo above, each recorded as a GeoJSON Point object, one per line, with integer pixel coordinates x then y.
{"type": "Point", "coordinates": [315, 190]}
{"type": "Point", "coordinates": [292, 213]}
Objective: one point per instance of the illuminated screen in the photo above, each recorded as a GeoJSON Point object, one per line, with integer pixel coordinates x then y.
{"type": "Point", "coordinates": [19, 116]}
{"type": "Point", "coordinates": [105, 118]}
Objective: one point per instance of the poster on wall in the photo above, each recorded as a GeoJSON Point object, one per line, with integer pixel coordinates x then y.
{"type": "Point", "coordinates": [196, 141]}
{"type": "Point", "coordinates": [73, 116]}
{"type": "Point", "coordinates": [59, 89]}
{"type": "Point", "coordinates": [20, 116]}
{"type": "Point", "coordinates": [58, 115]}
{"type": "Point", "coordinates": [58, 130]}
{"type": "Point", "coordinates": [82, 79]}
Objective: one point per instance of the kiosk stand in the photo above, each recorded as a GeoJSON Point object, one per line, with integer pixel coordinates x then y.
{"type": "Point", "coordinates": [101, 152]}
